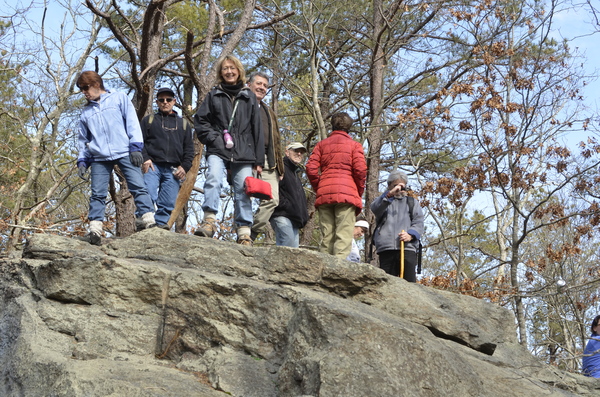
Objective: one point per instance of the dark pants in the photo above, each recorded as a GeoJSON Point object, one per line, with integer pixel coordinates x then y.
{"type": "Point", "coordinates": [389, 261]}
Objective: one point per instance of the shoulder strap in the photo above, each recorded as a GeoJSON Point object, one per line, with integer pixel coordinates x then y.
{"type": "Point", "coordinates": [149, 119]}
{"type": "Point", "coordinates": [235, 105]}
{"type": "Point", "coordinates": [378, 222]}
{"type": "Point", "coordinates": [411, 206]}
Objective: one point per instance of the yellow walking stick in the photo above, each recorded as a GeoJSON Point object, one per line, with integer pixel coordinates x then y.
{"type": "Point", "coordinates": [401, 275]}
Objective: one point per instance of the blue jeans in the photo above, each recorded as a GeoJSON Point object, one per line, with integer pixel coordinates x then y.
{"type": "Point", "coordinates": [100, 174]}
{"type": "Point", "coordinates": [286, 234]}
{"type": "Point", "coordinates": [213, 185]}
{"type": "Point", "coordinates": [163, 188]}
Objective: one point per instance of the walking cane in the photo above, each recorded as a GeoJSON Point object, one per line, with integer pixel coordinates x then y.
{"type": "Point", "coordinates": [401, 275]}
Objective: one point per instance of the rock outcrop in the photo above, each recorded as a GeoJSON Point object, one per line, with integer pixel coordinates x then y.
{"type": "Point", "coordinates": [162, 314]}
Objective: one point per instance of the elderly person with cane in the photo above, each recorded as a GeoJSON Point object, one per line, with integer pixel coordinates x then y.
{"type": "Point", "coordinates": [399, 228]}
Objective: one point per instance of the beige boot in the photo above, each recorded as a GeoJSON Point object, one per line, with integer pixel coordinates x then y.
{"type": "Point", "coordinates": [244, 238]}
{"type": "Point", "coordinates": [148, 220]}
{"type": "Point", "coordinates": [94, 237]}
{"type": "Point", "coordinates": [208, 227]}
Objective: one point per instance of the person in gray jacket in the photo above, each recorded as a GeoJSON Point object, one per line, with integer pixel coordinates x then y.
{"type": "Point", "coordinates": [397, 220]}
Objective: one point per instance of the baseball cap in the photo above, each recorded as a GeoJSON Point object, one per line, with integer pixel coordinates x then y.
{"type": "Point", "coordinates": [363, 224]}
{"type": "Point", "coordinates": [295, 145]}
{"type": "Point", "coordinates": [165, 89]}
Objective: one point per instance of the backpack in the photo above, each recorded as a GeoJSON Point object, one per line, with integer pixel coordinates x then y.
{"type": "Point", "coordinates": [379, 222]}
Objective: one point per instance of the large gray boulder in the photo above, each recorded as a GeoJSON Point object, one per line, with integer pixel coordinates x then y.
{"type": "Point", "coordinates": [162, 314]}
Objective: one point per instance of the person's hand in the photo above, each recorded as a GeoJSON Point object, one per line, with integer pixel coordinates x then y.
{"type": "Point", "coordinates": [136, 158]}
{"type": "Point", "coordinates": [81, 171]}
{"type": "Point", "coordinates": [179, 174]}
{"type": "Point", "coordinates": [148, 164]}
{"type": "Point", "coordinates": [396, 190]}
{"type": "Point", "coordinates": [405, 236]}
{"type": "Point", "coordinates": [258, 169]}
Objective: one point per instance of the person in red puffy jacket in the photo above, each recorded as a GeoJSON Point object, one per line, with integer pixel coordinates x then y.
{"type": "Point", "coordinates": [337, 171]}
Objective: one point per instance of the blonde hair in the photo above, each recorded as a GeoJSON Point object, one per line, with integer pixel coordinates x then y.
{"type": "Point", "coordinates": [237, 64]}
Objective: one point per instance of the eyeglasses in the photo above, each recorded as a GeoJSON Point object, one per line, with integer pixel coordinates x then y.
{"type": "Point", "coordinates": [84, 87]}
{"type": "Point", "coordinates": [162, 123]}
{"type": "Point", "coordinates": [162, 100]}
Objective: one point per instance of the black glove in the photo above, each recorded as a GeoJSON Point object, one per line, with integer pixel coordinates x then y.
{"type": "Point", "coordinates": [81, 170]}
{"type": "Point", "coordinates": [136, 158]}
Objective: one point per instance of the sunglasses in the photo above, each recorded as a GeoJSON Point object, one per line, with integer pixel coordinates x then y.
{"type": "Point", "coordinates": [84, 87]}
{"type": "Point", "coordinates": [162, 100]}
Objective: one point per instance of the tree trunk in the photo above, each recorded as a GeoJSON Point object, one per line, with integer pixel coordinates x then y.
{"type": "Point", "coordinates": [306, 239]}
{"type": "Point", "coordinates": [124, 206]}
{"type": "Point", "coordinates": [374, 138]}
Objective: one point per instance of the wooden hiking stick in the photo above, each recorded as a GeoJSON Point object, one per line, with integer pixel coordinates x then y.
{"type": "Point", "coordinates": [401, 275]}
{"type": "Point", "coordinates": [186, 187]}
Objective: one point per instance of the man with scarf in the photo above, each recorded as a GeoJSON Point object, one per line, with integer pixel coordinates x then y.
{"type": "Point", "coordinates": [291, 213]}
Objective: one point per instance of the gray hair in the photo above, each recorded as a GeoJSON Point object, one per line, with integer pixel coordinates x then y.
{"type": "Point", "coordinates": [259, 74]}
{"type": "Point", "coordinates": [395, 175]}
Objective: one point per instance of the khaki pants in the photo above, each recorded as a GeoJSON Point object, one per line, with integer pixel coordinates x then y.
{"type": "Point", "coordinates": [337, 227]}
{"type": "Point", "coordinates": [266, 208]}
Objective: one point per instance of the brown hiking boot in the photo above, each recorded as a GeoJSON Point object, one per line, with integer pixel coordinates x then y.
{"type": "Point", "coordinates": [245, 240]}
{"type": "Point", "coordinates": [207, 228]}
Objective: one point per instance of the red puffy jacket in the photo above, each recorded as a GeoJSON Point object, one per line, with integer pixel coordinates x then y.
{"type": "Point", "coordinates": [337, 170]}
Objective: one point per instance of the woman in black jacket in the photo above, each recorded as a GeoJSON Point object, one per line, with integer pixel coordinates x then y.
{"type": "Point", "coordinates": [231, 109]}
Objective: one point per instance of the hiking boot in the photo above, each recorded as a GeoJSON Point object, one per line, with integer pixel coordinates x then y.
{"type": "Point", "coordinates": [245, 240]}
{"type": "Point", "coordinates": [207, 228]}
{"type": "Point", "coordinates": [92, 238]}
{"type": "Point", "coordinates": [148, 221]}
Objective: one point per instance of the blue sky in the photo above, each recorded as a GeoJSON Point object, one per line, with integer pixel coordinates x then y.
{"type": "Point", "coordinates": [577, 24]}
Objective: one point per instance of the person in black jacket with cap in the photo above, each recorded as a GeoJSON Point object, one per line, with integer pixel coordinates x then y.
{"type": "Point", "coordinates": [291, 213]}
{"type": "Point", "coordinates": [168, 153]}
